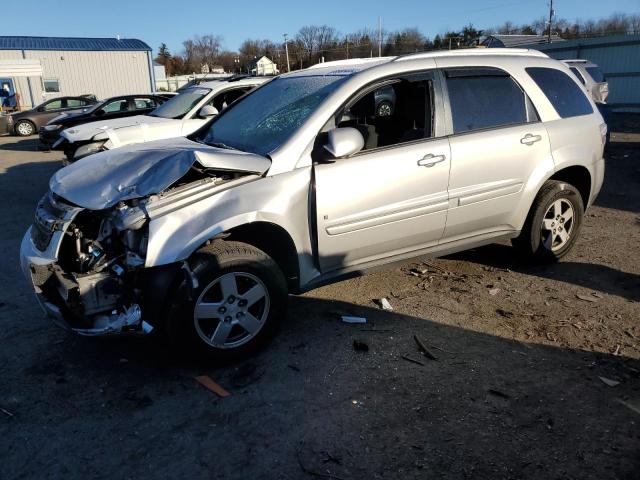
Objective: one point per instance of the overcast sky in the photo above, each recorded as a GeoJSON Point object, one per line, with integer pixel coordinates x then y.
{"type": "Point", "coordinates": [174, 21]}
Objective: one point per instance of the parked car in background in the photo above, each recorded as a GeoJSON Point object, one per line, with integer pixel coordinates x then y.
{"type": "Point", "coordinates": [29, 122]}
{"type": "Point", "coordinates": [180, 116]}
{"type": "Point", "coordinates": [303, 183]}
{"type": "Point", "coordinates": [594, 81]}
{"type": "Point", "coordinates": [114, 107]}
{"type": "Point", "coordinates": [590, 75]}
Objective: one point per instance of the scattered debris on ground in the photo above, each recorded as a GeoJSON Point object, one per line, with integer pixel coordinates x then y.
{"type": "Point", "coordinates": [609, 382]}
{"type": "Point", "coordinates": [424, 349]}
{"type": "Point", "coordinates": [412, 360]}
{"type": "Point", "coordinates": [384, 304]}
{"type": "Point", "coordinates": [352, 319]}
{"type": "Point", "coordinates": [209, 384]}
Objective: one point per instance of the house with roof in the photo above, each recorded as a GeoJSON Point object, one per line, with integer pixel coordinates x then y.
{"type": "Point", "coordinates": [263, 66]}
{"type": "Point", "coordinates": [40, 68]}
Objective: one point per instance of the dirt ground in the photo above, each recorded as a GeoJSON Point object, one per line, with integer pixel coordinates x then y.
{"type": "Point", "coordinates": [537, 370]}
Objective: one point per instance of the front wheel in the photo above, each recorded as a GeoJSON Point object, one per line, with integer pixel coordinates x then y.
{"type": "Point", "coordinates": [239, 300]}
{"type": "Point", "coordinates": [24, 128]}
{"type": "Point", "coordinates": [553, 223]}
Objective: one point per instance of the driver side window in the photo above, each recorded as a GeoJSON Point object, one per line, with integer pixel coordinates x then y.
{"type": "Point", "coordinates": [394, 113]}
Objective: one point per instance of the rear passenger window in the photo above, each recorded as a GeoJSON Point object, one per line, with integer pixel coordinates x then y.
{"type": "Point", "coordinates": [484, 98]}
{"type": "Point", "coordinates": [566, 97]}
{"type": "Point", "coordinates": [596, 74]}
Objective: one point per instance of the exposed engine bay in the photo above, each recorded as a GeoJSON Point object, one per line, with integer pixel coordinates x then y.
{"type": "Point", "coordinates": [98, 281]}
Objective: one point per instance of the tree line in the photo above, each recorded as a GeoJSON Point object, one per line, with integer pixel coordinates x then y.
{"type": "Point", "coordinates": [313, 43]}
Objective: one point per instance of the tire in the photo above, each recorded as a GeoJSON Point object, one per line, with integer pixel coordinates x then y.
{"type": "Point", "coordinates": [553, 223]}
{"type": "Point", "coordinates": [70, 152]}
{"type": "Point", "coordinates": [24, 128]}
{"type": "Point", "coordinates": [202, 316]}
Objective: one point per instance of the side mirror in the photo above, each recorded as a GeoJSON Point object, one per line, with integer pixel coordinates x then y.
{"type": "Point", "coordinates": [99, 113]}
{"type": "Point", "coordinates": [208, 111]}
{"type": "Point", "coordinates": [344, 142]}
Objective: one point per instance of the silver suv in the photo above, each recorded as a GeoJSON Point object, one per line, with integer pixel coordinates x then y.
{"type": "Point", "coordinates": [305, 182]}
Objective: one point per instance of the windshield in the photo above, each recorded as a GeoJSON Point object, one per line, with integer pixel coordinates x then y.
{"type": "Point", "coordinates": [181, 104]}
{"type": "Point", "coordinates": [267, 117]}
{"type": "Point", "coordinates": [596, 74]}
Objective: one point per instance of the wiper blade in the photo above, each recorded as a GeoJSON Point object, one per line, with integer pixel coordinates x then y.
{"type": "Point", "coordinates": [221, 145]}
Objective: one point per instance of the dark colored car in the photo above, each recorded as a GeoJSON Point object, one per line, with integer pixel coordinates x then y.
{"type": "Point", "coordinates": [114, 107]}
{"type": "Point", "coordinates": [29, 122]}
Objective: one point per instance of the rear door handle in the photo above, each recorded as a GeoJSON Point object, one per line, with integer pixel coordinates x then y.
{"type": "Point", "coordinates": [529, 139]}
{"type": "Point", "coordinates": [429, 160]}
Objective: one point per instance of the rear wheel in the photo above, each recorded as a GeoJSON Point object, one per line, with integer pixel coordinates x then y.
{"type": "Point", "coordinates": [553, 223]}
{"type": "Point", "coordinates": [24, 128]}
{"type": "Point", "coordinates": [237, 305]}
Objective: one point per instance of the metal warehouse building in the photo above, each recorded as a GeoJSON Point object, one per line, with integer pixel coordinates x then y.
{"type": "Point", "coordinates": [617, 56]}
{"type": "Point", "coordinates": [39, 68]}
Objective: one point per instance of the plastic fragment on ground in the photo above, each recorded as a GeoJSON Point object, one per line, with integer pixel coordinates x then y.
{"type": "Point", "coordinates": [350, 319]}
{"type": "Point", "coordinates": [207, 382]}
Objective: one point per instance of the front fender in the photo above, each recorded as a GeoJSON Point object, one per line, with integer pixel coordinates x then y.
{"type": "Point", "coordinates": [282, 200]}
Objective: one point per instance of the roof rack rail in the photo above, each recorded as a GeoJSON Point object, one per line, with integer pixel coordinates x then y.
{"type": "Point", "coordinates": [473, 52]}
{"type": "Point", "coordinates": [350, 61]}
{"type": "Point", "coordinates": [236, 76]}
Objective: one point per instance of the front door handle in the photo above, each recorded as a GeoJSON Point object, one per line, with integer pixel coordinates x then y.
{"type": "Point", "coordinates": [429, 160]}
{"type": "Point", "coordinates": [529, 139]}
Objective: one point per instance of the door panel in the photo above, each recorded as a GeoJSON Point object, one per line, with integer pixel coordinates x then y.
{"type": "Point", "coordinates": [382, 202]}
{"type": "Point", "coordinates": [489, 172]}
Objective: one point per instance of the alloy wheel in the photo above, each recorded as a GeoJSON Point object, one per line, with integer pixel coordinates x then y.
{"type": "Point", "coordinates": [231, 310]}
{"type": "Point", "coordinates": [384, 110]}
{"type": "Point", "coordinates": [557, 224]}
{"type": "Point", "coordinates": [25, 128]}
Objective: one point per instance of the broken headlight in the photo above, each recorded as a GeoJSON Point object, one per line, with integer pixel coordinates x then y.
{"type": "Point", "coordinates": [88, 149]}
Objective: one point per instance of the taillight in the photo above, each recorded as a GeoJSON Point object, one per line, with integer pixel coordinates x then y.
{"type": "Point", "coordinates": [603, 133]}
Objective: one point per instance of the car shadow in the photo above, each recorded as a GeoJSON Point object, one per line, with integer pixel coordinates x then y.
{"type": "Point", "coordinates": [596, 277]}
{"type": "Point", "coordinates": [486, 407]}
{"type": "Point", "coordinates": [621, 188]}
{"type": "Point", "coordinates": [20, 144]}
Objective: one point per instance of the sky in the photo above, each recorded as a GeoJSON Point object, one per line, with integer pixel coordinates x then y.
{"type": "Point", "coordinates": [172, 21]}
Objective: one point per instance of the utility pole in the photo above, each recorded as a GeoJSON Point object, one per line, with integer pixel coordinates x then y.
{"type": "Point", "coordinates": [286, 47]}
{"type": "Point", "coordinates": [379, 36]}
{"type": "Point", "coordinates": [551, 13]}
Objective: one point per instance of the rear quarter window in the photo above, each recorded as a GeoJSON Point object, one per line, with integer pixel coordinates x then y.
{"type": "Point", "coordinates": [565, 95]}
{"type": "Point", "coordinates": [596, 74]}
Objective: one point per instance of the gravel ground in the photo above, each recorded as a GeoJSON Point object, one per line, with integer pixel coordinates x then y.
{"type": "Point", "coordinates": [537, 369]}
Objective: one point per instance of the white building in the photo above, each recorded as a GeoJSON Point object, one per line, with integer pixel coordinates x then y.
{"type": "Point", "coordinates": [104, 67]}
{"type": "Point", "coordinates": [264, 66]}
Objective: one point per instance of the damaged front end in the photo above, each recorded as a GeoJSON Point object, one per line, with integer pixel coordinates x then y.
{"type": "Point", "coordinates": [85, 253]}
{"type": "Point", "coordinates": [85, 265]}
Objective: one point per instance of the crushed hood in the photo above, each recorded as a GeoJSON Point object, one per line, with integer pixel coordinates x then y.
{"type": "Point", "coordinates": [101, 180]}
{"type": "Point", "coordinates": [86, 131]}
